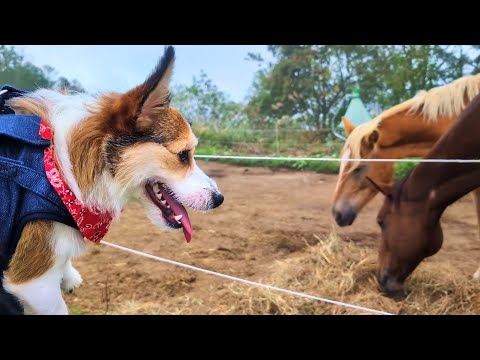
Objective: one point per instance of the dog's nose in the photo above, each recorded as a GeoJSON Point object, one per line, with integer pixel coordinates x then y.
{"type": "Point", "coordinates": [217, 200]}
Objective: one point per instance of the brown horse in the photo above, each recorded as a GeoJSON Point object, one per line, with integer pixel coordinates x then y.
{"type": "Point", "coordinates": [409, 129]}
{"type": "Point", "coordinates": [410, 215]}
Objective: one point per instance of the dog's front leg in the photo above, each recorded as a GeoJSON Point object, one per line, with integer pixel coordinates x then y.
{"type": "Point", "coordinates": [40, 296]}
{"type": "Point", "coordinates": [71, 278]}
{"type": "Point", "coordinates": [35, 271]}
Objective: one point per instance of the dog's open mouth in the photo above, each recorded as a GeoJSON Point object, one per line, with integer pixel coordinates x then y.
{"type": "Point", "coordinates": [173, 212]}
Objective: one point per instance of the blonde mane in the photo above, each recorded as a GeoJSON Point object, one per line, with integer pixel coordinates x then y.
{"type": "Point", "coordinates": [442, 101]}
{"type": "Point", "coordinates": [447, 100]}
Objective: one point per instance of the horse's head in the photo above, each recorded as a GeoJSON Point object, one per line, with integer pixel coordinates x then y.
{"type": "Point", "coordinates": [354, 190]}
{"type": "Point", "coordinates": [410, 233]}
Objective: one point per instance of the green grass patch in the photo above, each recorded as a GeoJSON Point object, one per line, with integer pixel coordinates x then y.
{"type": "Point", "coordinates": [318, 166]}
{"type": "Point", "coordinates": [330, 167]}
{"type": "Point", "coordinates": [402, 169]}
{"type": "Point", "coordinates": [249, 142]}
{"type": "Point", "coordinates": [76, 310]}
{"type": "Point", "coordinates": [327, 167]}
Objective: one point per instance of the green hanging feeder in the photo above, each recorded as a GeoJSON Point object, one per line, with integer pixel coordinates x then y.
{"type": "Point", "coordinates": [356, 112]}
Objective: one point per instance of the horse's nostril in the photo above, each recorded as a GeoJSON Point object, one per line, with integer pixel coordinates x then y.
{"type": "Point", "coordinates": [338, 216]}
{"type": "Point", "coordinates": [344, 214]}
{"type": "Point", "coordinates": [345, 217]}
{"type": "Point", "coordinates": [383, 279]}
{"type": "Point", "coordinates": [390, 286]}
{"type": "Point", "coordinates": [217, 200]}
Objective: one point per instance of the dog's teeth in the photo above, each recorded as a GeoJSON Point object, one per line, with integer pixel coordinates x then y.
{"type": "Point", "coordinates": [178, 222]}
{"type": "Point", "coordinates": [168, 206]}
{"type": "Point", "coordinates": [164, 202]}
{"type": "Point", "coordinates": [178, 217]}
{"type": "Point", "coordinates": [156, 188]}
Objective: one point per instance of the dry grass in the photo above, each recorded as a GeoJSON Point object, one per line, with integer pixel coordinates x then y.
{"type": "Point", "coordinates": [346, 272]}
{"type": "Point", "coordinates": [333, 269]}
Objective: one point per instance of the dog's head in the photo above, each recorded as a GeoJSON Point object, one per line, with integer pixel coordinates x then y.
{"type": "Point", "coordinates": [149, 152]}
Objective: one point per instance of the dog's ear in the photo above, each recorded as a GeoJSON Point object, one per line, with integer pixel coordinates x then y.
{"type": "Point", "coordinates": [156, 90]}
{"type": "Point", "coordinates": [136, 107]}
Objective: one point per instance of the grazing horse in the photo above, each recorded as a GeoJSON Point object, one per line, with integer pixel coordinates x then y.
{"type": "Point", "coordinates": [409, 129]}
{"type": "Point", "coordinates": [410, 215]}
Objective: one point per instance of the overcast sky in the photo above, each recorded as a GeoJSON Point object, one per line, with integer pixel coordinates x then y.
{"type": "Point", "coordinates": [122, 67]}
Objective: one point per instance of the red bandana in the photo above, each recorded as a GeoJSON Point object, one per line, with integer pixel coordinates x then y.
{"type": "Point", "coordinates": [92, 223]}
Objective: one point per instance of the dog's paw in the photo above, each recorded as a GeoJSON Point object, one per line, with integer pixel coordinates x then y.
{"type": "Point", "coordinates": [71, 280]}
{"type": "Point", "coordinates": [476, 276]}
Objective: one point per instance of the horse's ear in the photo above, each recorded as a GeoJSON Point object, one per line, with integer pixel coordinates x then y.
{"type": "Point", "coordinates": [371, 139]}
{"type": "Point", "coordinates": [347, 125]}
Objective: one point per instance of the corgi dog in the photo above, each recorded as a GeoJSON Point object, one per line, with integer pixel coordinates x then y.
{"type": "Point", "coordinates": [105, 152]}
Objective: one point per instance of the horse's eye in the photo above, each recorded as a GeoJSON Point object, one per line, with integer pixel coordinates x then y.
{"type": "Point", "coordinates": [380, 222]}
{"type": "Point", "coordinates": [358, 170]}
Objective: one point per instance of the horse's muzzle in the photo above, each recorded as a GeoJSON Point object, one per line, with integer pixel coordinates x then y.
{"type": "Point", "coordinates": [390, 286]}
{"type": "Point", "coordinates": [344, 214]}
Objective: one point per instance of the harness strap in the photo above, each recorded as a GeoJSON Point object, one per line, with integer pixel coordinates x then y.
{"type": "Point", "coordinates": [19, 127]}
{"type": "Point", "coordinates": [23, 128]}
{"type": "Point", "coordinates": [374, 184]}
{"type": "Point", "coordinates": [7, 92]}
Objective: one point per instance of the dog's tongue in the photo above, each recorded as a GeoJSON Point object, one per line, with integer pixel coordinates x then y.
{"type": "Point", "coordinates": [178, 209]}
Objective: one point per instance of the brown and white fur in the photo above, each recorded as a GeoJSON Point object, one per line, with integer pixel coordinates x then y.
{"type": "Point", "coordinates": [109, 149]}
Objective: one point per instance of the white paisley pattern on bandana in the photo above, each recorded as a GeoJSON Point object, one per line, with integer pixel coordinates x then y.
{"type": "Point", "coordinates": [92, 223]}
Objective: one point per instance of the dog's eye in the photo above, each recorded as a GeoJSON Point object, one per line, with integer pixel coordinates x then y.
{"type": "Point", "coordinates": [184, 156]}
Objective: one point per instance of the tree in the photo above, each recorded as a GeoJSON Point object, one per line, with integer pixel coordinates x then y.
{"type": "Point", "coordinates": [64, 83]}
{"type": "Point", "coordinates": [203, 102]}
{"type": "Point", "coordinates": [17, 72]}
{"type": "Point", "coordinates": [475, 61]}
{"type": "Point", "coordinates": [308, 82]}
{"type": "Point", "coordinates": [407, 69]}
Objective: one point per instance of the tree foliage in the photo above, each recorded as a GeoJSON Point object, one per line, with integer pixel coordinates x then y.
{"type": "Point", "coordinates": [304, 86]}
{"type": "Point", "coordinates": [203, 102]}
{"type": "Point", "coordinates": [308, 82]}
{"type": "Point", "coordinates": [17, 72]}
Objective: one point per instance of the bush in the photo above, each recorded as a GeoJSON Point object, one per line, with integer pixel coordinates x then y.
{"type": "Point", "coordinates": [262, 142]}
{"type": "Point", "coordinates": [402, 169]}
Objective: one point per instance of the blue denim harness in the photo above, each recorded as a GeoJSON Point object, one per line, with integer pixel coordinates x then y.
{"type": "Point", "coordinates": [25, 192]}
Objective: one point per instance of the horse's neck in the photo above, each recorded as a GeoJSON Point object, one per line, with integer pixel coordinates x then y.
{"type": "Point", "coordinates": [410, 133]}
{"type": "Point", "coordinates": [451, 181]}
{"type": "Point", "coordinates": [450, 191]}
{"type": "Point", "coordinates": [419, 149]}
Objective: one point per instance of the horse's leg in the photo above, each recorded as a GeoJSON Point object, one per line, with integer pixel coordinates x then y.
{"type": "Point", "coordinates": [476, 196]}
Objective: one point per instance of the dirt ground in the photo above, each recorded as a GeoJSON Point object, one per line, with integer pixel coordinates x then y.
{"type": "Point", "coordinates": [268, 217]}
